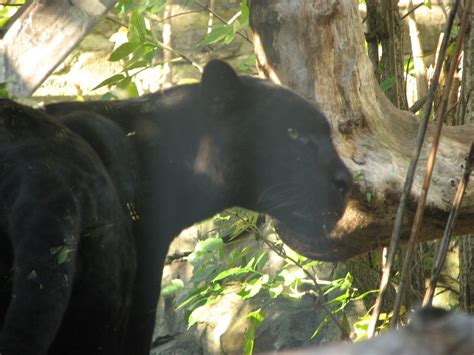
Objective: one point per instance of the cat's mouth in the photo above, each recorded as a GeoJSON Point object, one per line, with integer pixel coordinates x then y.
{"type": "Point", "coordinates": [311, 240]}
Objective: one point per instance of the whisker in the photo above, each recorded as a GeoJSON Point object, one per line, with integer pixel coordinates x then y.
{"type": "Point", "coordinates": [279, 189]}
{"type": "Point", "coordinates": [284, 204]}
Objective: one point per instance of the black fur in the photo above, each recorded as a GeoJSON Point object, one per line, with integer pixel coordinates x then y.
{"type": "Point", "coordinates": [171, 159]}
{"type": "Point", "coordinates": [66, 248]}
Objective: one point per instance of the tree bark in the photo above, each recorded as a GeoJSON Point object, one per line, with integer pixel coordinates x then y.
{"type": "Point", "coordinates": [465, 115]}
{"type": "Point", "coordinates": [418, 55]}
{"type": "Point", "coordinates": [46, 26]}
{"type": "Point", "coordinates": [317, 48]}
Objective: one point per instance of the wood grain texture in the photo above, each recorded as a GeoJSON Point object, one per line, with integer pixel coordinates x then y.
{"type": "Point", "coordinates": [52, 27]}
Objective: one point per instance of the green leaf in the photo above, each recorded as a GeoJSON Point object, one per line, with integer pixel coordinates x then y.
{"type": "Point", "coordinates": [107, 97]}
{"type": "Point", "coordinates": [219, 33]}
{"type": "Point", "coordinates": [451, 48]}
{"type": "Point", "coordinates": [186, 81]}
{"type": "Point", "coordinates": [158, 6]}
{"type": "Point", "coordinates": [197, 315]}
{"type": "Point", "coordinates": [361, 327]}
{"type": "Point", "coordinates": [193, 297]}
{"type": "Point", "coordinates": [369, 197]}
{"type": "Point", "coordinates": [113, 80]}
{"type": "Point", "coordinates": [127, 88]}
{"type": "Point", "coordinates": [3, 90]}
{"type": "Point", "coordinates": [203, 273]}
{"type": "Point", "coordinates": [244, 17]}
{"type": "Point", "coordinates": [175, 286]}
{"type": "Point", "coordinates": [320, 326]}
{"type": "Point", "coordinates": [62, 253]}
{"type": "Point", "coordinates": [211, 244]}
{"type": "Point", "coordinates": [137, 31]}
{"type": "Point", "coordinates": [342, 299]}
{"type": "Point", "coordinates": [136, 64]}
{"type": "Point", "coordinates": [235, 271]}
{"type": "Point", "coordinates": [347, 283]}
{"type": "Point", "coordinates": [251, 289]}
{"type": "Point", "coordinates": [257, 316]}
{"type": "Point", "coordinates": [249, 341]}
{"type": "Point", "coordinates": [360, 176]}
{"type": "Point", "coordinates": [262, 260]}
{"type": "Point", "coordinates": [288, 277]}
{"type": "Point", "coordinates": [247, 63]}
{"type": "Point", "coordinates": [275, 291]}
{"type": "Point", "coordinates": [123, 51]}
{"type": "Point", "coordinates": [388, 83]}
{"type": "Point", "coordinates": [345, 324]}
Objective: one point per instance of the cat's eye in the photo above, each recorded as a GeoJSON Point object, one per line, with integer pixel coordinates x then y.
{"type": "Point", "coordinates": [293, 133]}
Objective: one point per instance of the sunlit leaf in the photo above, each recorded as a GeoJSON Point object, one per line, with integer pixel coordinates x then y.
{"type": "Point", "coordinates": [185, 81]}
{"type": "Point", "coordinates": [252, 289]}
{"type": "Point", "coordinates": [123, 51]}
{"type": "Point", "coordinates": [219, 33]}
{"type": "Point", "coordinates": [247, 63]}
{"type": "Point", "coordinates": [175, 286]}
{"type": "Point", "coordinates": [244, 16]}
{"type": "Point", "coordinates": [157, 7]}
{"type": "Point", "coordinates": [320, 327]}
{"type": "Point", "coordinates": [235, 271]}
{"type": "Point", "coordinates": [275, 291]}
{"type": "Point", "coordinates": [257, 316]}
{"type": "Point", "coordinates": [137, 64]}
{"type": "Point", "coordinates": [113, 80]}
{"type": "Point", "coordinates": [211, 244]}
{"type": "Point", "coordinates": [196, 315]}
{"type": "Point", "coordinates": [262, 260]}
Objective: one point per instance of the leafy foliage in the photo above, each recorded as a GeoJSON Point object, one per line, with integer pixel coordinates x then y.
{"type": "Point", "coordinates": [142, 49]}
{"type": "Point", "coordinates": [235, 259]}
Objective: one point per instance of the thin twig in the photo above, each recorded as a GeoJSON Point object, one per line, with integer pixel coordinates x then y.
{"type": "Point", "coordinates": [416, 228]}
{"type": "Point", "coordinates": [395, 239]}
{"type": "Point", "coordinates": [417, 105]}
{"type": "Point", "coordinates": [113, 19]}
{"type": "Point", "coordinates": [118, 22]}
{"type": "Point", "coordinates": [444, 244]}
{"type": "Point", "coordinates": [412, 10]}
{"type": "Point", "coordinates": [180, 14]}
{"type": "Point", "coordinates": [183, 56]}
{"type": "Point", "coordinates": [223, 20]}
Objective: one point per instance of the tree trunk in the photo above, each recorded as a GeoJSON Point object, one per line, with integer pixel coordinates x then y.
{"type": "Point", "coordinates": [466, 274]}
{"type": "Point", "coordinates": [392, 52]}
{"type": "Point", "coordinates": [418, 55]}
{"type": "Point", "coordinates": [465, 115]}
{"type": "Point", "coordinates": [317, 48]}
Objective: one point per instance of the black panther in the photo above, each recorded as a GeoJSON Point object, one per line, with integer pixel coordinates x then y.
{"type": "Point", "coordinates": [166, 160]}
{"type": "Point", "coordinates": [67, 254]}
